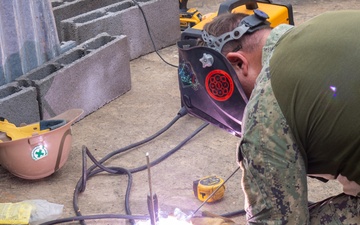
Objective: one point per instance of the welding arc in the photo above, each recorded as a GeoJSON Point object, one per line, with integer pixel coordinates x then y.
{"type": "Point", "coordinates": [214, 192]}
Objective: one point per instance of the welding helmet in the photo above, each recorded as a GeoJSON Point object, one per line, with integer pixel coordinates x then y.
{"type": "Point", "coordinates": [37, 150]}
{"type": "Point", "coordinates": [209, 87]}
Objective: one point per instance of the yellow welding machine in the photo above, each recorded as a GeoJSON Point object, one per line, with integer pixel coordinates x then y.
{"type": "Point", "coordinates": [278, 14]}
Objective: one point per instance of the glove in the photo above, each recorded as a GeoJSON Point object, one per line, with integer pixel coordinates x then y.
{"type": "Point", "coordinates": [208, 218]}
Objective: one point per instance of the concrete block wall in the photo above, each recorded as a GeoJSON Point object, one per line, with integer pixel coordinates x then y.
{"type": "Point", "coordinates": [108, 33]}
{"type": "Point", "coordinates": [126, 18]}
{"type": "Point", "coordinates": [19, 104]}
{"type": "Point", "coordinates": [64, 9]}
{"type": "Point", "coordinates": [87, 77]}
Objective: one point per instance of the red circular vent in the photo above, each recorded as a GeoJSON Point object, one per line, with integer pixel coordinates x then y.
{"type": "Point", "coordinates": [219, 85]}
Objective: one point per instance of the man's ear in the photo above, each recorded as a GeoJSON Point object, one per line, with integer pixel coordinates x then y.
{"type": "Point", "coordinates": [239, 62]}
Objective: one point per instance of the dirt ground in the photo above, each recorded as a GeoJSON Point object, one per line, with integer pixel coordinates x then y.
{"type": "Point", "coordinates": [150, 105]}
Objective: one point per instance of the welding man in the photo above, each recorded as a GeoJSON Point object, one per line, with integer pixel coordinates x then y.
{"type": "Point", "coordinates": [302, 116]}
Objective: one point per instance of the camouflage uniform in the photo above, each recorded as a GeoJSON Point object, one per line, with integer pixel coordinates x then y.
{"type": "Point", "coordinates": [274, 171]}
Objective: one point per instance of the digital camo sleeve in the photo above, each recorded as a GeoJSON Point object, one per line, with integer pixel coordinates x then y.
{"type": "Point", "coordinates": [274, 175]}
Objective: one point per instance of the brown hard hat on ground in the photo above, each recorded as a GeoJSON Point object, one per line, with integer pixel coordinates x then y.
{"type": "Point", "coordinates": [39, 156]}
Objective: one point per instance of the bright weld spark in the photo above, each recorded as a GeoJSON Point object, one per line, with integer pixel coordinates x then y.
{"type": "Point", "coordinates": [333, 88]}
{"type": "Point", "coordinates": [178, 218]}
{"type": "Point", "coordinates": [166, 221]}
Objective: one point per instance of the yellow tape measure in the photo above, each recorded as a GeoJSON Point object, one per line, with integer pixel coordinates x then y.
{"type": "Point", "coordinates": [204, 187]}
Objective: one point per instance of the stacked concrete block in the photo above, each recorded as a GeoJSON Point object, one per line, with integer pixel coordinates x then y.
{"type": "Point", "coordinates": [95, 68]}
{"type": "Point", "coordinates": [18, 104]}
{"type": "Point", "coordinates": [126, 18]}
{"type": "Point", "coordinates": [87, 77]}
{"type": "Point", "coordinates": [64, 9]}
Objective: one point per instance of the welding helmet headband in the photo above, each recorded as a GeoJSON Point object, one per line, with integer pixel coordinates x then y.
{"type": "Point", "coordinates": [209, 87]}
{"type": "Point", "coordinates": [247, 25]}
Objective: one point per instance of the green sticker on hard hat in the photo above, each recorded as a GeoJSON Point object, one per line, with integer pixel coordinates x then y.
{"type": "Point", "coordinates": [39, 152]}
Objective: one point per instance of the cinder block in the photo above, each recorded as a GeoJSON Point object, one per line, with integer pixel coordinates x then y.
{"type": "Point", "coordinates": [18, 104]}
{"type": "Point", "coordinates": [87, 77]}
{"type": "Point", "coordinates": [64, 9]}
{"type": "Point", "coordinates": [125, 18]}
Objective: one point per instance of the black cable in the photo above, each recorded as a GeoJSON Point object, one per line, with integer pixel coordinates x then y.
{"type": "Point", "coordinates": [152, 41]}
{"type": "Point", "coordinates": [86, 174]}
{"type": "Point", "coordinates": [89, 173]}
{"type": "Point", "coordinates": [241, 212]}
{"type": "Point", "coordinates": [163, 157]}
{"type": "Point", "coordinates": [112, 170]}
{"type": "Point", "coordinates": [80, 187]}
{"type": "Point", "coordinates": [182, 112]}
{"type": "Point", "coordinates": [93, 217]}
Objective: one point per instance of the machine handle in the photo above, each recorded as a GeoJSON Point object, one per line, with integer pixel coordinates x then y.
{"type": "Point", "coordinates": [229, 5]}
{"type": "Point", "coordinates": [183, 5]}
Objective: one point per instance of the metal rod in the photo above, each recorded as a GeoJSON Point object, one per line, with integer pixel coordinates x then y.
{"type": "Point", "coordinates": [152, 206]}
{"type": "Point", "coordinates": [214, 192]}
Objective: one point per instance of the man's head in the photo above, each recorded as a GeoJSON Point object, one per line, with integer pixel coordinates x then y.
{"type": "Point", "coordinates": [244, 53]}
